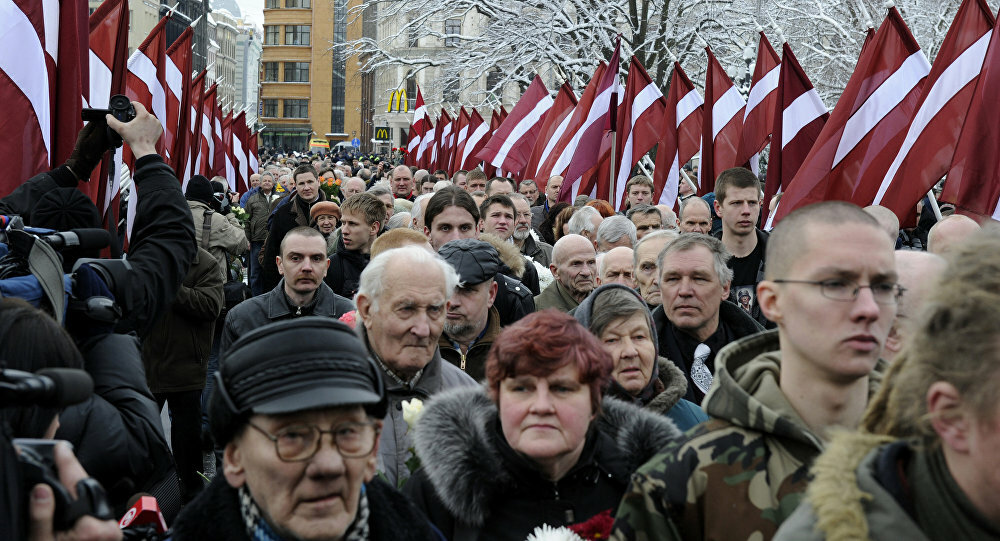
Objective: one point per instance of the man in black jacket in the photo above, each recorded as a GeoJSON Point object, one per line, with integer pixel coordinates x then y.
{"type": "Point", "coordinates": [290, 213]}
{"type": "Point", "coordinates": [362, 216]}
{"type": "Point", "coordinates": [303, 265]}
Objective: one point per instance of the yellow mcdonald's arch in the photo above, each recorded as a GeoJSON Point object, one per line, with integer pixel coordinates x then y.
{"type": "Point", "coordinates": [382, 134]}
{"type": "Point", "coordinates": [402, 105]}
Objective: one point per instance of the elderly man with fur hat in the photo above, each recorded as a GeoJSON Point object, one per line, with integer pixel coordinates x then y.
{"type": "Point", "coordinates": [281, 391]}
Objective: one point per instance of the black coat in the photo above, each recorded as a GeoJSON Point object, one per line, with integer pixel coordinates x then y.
{"type": "Point", "coordinates": [273, 306]}
{"type": "Point", "coordinates": [289, 213]}
{"type": "Point", "coordinates": [344, 274]}
{"type": "Point", "coordinates": [117, 433]}
{"type": "Point", "coordinates": [215, 514]}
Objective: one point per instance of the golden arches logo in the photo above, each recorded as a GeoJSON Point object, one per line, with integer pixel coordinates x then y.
{"type": "Point", "coordinates": [398, 101]}
{"type": "Point", "coordinates": [382, 134]}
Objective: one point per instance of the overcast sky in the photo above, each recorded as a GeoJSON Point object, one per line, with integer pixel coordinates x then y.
{"type": "Point", "coordinates": [253, 10]}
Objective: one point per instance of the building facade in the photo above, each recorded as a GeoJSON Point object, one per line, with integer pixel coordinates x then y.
{"type": "Point", "coordinates": [248, 52]}
{"type": "Point", "coordinates": [185, 12]}
{"type": "Point", "coordinates": [308, 89]}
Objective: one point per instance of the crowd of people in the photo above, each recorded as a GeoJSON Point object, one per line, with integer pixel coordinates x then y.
{"type": "Point", "coordinates": [488, 360]}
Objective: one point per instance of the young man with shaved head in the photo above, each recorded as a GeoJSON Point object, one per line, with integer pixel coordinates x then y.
{"type": "Point", "coordinates": [831, 288]}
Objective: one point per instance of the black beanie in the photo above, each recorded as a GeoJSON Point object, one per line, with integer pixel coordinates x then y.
{"type": "Point", "coordinates": [63, 209]}
{"type": "Point", "coordinates": [200, 189]}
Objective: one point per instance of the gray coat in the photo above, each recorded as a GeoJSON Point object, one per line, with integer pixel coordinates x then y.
{"type": "Point", "coordinates": [396, 441]}
{"type": "Point", "coordinates": [272, 306]}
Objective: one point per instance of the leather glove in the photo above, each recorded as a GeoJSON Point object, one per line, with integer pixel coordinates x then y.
{"type": "Point", "coordinates": [91, 144]}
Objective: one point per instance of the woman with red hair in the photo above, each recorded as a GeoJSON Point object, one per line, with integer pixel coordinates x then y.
{"type": "Point", "coordinates": [538, 445]}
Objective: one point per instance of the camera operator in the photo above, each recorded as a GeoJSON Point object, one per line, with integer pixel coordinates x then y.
{"type": "Point", "coordinates": [30, 341]}
{"type": "Point", "coordinates": [117, 433]}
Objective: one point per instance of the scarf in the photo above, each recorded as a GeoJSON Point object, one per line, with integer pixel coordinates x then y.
{"type": "Point", "coordinates": [940, 507]}
{"type": "Point", "coordinates": [258, 529]}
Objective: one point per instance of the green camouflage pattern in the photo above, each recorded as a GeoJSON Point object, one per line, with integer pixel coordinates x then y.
{"type": "Point", "coordinates": [735, 477]}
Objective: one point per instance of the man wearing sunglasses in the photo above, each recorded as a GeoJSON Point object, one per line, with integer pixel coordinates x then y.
{"type": "Point", "coordinates": [298, 407]}
{"type": "Point", "coordinates": [832, 289]}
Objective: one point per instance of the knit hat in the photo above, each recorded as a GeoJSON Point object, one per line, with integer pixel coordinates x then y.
{"type": "Point", "coordinates": [63, 209]}
{"type": "Point", "coordinates": [200, 189]}
{"type": "Point", "coordinates": [324, 207]}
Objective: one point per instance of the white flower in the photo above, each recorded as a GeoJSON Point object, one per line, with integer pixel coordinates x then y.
{"type": "Point", "coordinates": [548, 533]}
{"type": "Point", "coordinates": [412, 409]}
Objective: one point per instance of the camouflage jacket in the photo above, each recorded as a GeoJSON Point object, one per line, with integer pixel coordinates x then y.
{"type": "Point", "coordinates": [735, 477]}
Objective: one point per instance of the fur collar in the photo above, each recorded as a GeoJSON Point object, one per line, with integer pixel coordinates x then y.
{"type": "Point", "coordinates": [509, 254]}
{"type": "Point", "coordinates": [675, 387]}
{"type": "Point", "coordinates": [454, 442]}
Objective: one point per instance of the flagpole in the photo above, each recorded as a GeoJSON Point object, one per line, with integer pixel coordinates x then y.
{"type": "Point", "coordinates": [934, 205]}
{"type": "Point", "coordinates": [613, 117]}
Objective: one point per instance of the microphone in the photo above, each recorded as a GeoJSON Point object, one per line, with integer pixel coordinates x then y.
{"type": "Point", "coordinates": [144, 512]}
{"type": "Point", "coordinates": [48, 388]}
{"type": "Point", "coordinates": [87, 239]}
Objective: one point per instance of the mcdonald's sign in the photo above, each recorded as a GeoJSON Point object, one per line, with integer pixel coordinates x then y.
{"type": "Point", "coordinates": [383, 133]}
{"type": "Point", "coordinates": [398, 102]}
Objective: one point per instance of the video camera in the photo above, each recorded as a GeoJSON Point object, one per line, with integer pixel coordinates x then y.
{"type": "Point", "coordinates": [119, 107]}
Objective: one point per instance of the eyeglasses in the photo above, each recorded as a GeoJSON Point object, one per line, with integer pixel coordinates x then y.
{"type": "Point", "coordinates": [847, 290]}
{"type": "Point", "coordinates": [298, 443]}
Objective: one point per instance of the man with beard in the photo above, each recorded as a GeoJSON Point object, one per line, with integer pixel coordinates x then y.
{"type": "Point", "coordinates": [574, 266]}
{"type": "Point", "coordinates": [301, 292]}
{"type": "Point", "coordinates": [472, 323]}
{"type": "Point", "coordinates": [524, 237]}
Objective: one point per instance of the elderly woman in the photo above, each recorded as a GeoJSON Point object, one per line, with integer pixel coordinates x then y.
{"type": "Point", "coordinates": [538, 445]}
{"type": "Point", "coordinates": [618, 317]}
{"type": "Point", "coordinates": [931, 473]}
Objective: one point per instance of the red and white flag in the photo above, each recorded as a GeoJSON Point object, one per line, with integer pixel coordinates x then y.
{"type": "Point", "coordinates": [551, 130]}
{"type": "Point", "coordinates": [973, 183]}
{"type": "Point", "coordinates": [43, 73]}
{"type": "Point", "coordinates": [179, 99]}
{"type": "Point", "coordinates": [227, 146]}
{"type": "Point", "coordinates": [461, 136]}
{"type": "Point", "coordinates": [680, 137]}
{"type": "Point", "coordinates": [867, 127]}
{"type": "Point", "coordinates": [417, 129]}
{"type": "Point", "coordinates": [252, 153]}
{"type": "Point", "coordinates": [108, 54]}
{"type": "Point", "coordinates": [588, 138]}
{"type": "Point", "coordinates": [206, 141]}
{"type": "Point", "coordinates": [639, 121]}
{"type": "Point", "coordinates": [759, 116]}
{"type": "Point", "coordinates": [426, 148]}
{"type": "Point", "coordinates": [495, 120]}
{"type": "Point", "coordinates": [478, 137]}
{"type": "Point", "coordinates": [929, 146]}
{"type": "Point", "coordinates": [446, 139]}
{"type": "Point", "coordinates": [722, 128]}
{"type": "Point", "coordinates": [219, 146]}
{"type": "Point", "coordinates": [511, 144]}
{"type": "Point", "coordinates": [146, 80]}
{"type": "Point", "coordinates": [799, 118]}
{"type": "Point", "coordinates": [193, 163]}
{"type": "Point", "coordinates": [240, 159]}
{"type": "Point", "coordinates": [561, 152]}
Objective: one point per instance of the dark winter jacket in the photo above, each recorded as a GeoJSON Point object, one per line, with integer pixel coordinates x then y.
{"type": "Point", "coordinates": [514, 300]}
{"type": "Point", "coordinates": [755, 311]}
{"type": "Point", "coordinates": [540, 252]}
{"type": "Point", "coordinates": [117, 433]}
{"type": "Point", "coordinates": [473, 362]}
{"type": "Point", "coordinates": [273, 306]}
{"type": "Point", "coordinates": [258, 209]}
{"type": "Point", "coordinates": [215, 514]}
{"type": "Point", "coordinates": [474, 486]}
{"type": "Point", "coordinates": [176, 352]}
{"type": "Point", "coordinates": [344, 274]}
{"type": "Point", "coordinates": [287, 215]}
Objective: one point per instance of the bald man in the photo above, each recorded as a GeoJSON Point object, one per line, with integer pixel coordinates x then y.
{"type": "Point", "coordinates": [918, 271]}
{"type": "Point", "coordinates": [886, 219]}
{"type": "Point", "coordinates": [949, 232]}
{"type": "Point", "coordinates": [695, 217]}
{"type": "Point", "coordinates": [616, 267]}
{"type": "Point", "coordinates": [402, 183]}
{"type": "Point", "coordinates": [574, 267]}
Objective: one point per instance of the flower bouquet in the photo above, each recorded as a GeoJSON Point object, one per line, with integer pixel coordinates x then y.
{"type": "Point", "coordinates": [331, 187]}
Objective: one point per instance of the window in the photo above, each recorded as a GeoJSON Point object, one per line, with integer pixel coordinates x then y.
{"type": "Point", "coordinates": [271, 35]}
{"type": "Point", "coordinates": [272, 4]}
{"type": "Point", "coordinates": [297, 3]}
{"type": "Point", "coordinates": [411, 35]}
{"type": "Point", "coordinates": [296, 72]}
{"type": "Point", "coordinates": [451, 91]}
{"type": "Point", "coordinates": [297, 35]}
{"type": "Point", "coordinates": [452, 27]}
{"type": "Point", "coordinates": [270, 71]}
{"type": "Point", "coordinates": [296, 109]}
{"type": "Point", "coordinates": [493, 81]}
{"type": "Point", "coordinates": [270, 108]}
{"type": "Point", "coordinates": [411, 91]}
